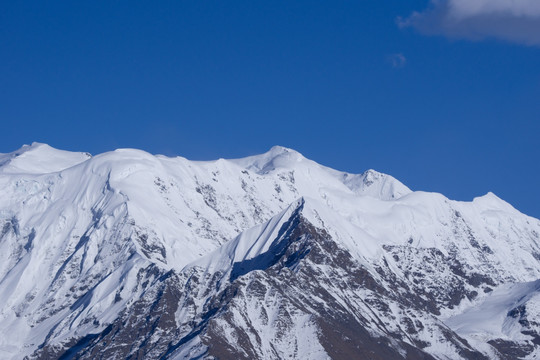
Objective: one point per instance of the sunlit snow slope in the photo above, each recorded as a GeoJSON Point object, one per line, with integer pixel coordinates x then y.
{"type": "Point", "coordinates": [87, 241]}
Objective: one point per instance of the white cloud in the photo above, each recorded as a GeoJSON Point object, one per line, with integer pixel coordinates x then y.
{"type": "Point", "coordinates": [397, 60]}
{"type": "Point", "coordinates": [511, 20]}
{"type": "Point", "coordinates": [463, 9]}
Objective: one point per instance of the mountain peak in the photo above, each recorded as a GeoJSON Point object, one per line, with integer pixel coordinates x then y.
{"type": "Point", "coordinates": [34, 146]}
{"type": "Point", "coordinates": [279, 150]}
{"type": "Point", "coordinates": [276, 157]}
{"type": "Point", "coordinates": [491, 201]}
{"type": "Point", "coordinates": [39, 158]}
{"type": "Point", "coordinates": [376, 184]}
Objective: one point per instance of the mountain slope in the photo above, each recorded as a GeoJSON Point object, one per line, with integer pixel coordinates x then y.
{"type": "Point", "coordinates": [271, 256]}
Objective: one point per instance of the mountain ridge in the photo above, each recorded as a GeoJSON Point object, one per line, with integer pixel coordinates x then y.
{"type": "Point", "coordinates": [91, 241]}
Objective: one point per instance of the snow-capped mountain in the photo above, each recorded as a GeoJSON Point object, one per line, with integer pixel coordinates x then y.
{"type": "Point", "coordinates": [130, 255]}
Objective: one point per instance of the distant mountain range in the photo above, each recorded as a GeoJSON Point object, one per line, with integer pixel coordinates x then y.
{"type": "Point", "coordinates": [127, 255]}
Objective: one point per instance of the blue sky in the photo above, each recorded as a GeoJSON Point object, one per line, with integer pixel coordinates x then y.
{"type": "Point", "coordinates": [444, 95]}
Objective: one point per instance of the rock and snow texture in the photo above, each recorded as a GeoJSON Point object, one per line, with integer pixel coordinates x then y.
{"type": "Point", "coordinates": [273, 256]}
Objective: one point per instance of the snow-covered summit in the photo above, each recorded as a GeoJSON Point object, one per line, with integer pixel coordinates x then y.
{"type": "Point", "coordinates": [492, 201]}
{"type": "Point", "coordinates": [276, 157]}
{"type": "Point", "coordinates": [376, 184]}
{"type": "Point", "coordinates": [280, 159]}
{"type": "Point", "coordinates": [39, 158]}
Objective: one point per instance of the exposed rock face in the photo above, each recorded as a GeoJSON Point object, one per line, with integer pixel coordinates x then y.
{"type": "Point", "coordinates": [130, 256]}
